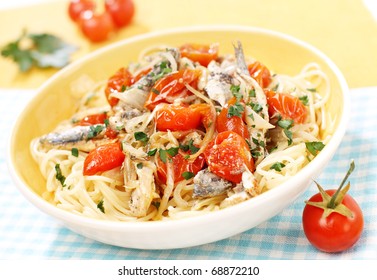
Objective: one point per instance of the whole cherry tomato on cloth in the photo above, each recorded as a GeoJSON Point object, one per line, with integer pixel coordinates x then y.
{"type": "Point", "coordinates": [332, 219]}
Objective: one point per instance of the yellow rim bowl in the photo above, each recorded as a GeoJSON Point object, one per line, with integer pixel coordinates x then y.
{"type": "Point", "coordinates": [53, 103]}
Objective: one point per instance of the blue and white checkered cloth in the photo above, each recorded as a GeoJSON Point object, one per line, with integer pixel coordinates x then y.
{"type": "Point", "coordinates": [27, 233]}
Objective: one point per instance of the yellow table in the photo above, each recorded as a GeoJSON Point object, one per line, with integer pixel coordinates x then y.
{"type": "Point", "coordinates": [342, 29]}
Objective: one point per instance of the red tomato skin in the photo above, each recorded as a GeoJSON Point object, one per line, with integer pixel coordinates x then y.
{"type": "Point", "coordinates": [180, 165]}
{"type": "Point", "coordinates": [286, 105]}
{"type": "Point", "coordinates": [170, 86]}
{"type": "Point", "coordinates": [260, 73]}
{"type": "Point", "coordinates": [227, 155]}
{"type": "Point", "coordinates": [96, 27]}
{"type": "Point", "coordinates": [103, 158]}
{"type": "Point", "coordinates": [335, 233]}
{"type": "Point", "coordinates": [177, 117]}
{"type": "Point", "coordinates": [76, 7]}
{"type": "Point", "coordinates": [200, 53]}
{"type": "Point", "coordinates": [93, 119]}
{"type": "Point", "coordinates": [122, 78]}
{"type": "Point", "coordinates": [234, 123]}
{"type": "Point", "coordinates": [121, 11]}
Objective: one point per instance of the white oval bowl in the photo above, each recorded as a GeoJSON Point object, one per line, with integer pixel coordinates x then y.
{"type": "Point", "coordinates": [280, 52]}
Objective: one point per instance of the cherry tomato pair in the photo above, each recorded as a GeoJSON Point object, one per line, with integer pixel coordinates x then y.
{"type": "Point", "coordinates": [97, 27]}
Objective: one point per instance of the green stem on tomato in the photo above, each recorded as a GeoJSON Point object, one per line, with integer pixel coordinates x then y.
{"type": "Point", "coordinates": [332, 203]}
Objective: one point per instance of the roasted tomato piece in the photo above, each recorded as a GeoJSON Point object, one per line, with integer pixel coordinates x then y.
{"type": "Point", "coordinates": [180, 166]}
{"type": "Point", "coordinates": [118, 83]}
{"type": "Point", "coordinates": [103, 158]}
{"type": "Point", "coordinates": [200, 53]}
{"type": "Point", "coordinates": [260, 73]}
{"type": "Point", "coordinates": [171, 86]}
{"type": "Point", "coordinates": [286, 106]}
{"type": "Point", "coordinates": [225, 122]}
{"type": "Point", "coordinates": [228, 155]}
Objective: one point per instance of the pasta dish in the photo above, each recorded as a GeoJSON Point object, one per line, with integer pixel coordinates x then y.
{"type": "Point", "coordinates": [183, 131]}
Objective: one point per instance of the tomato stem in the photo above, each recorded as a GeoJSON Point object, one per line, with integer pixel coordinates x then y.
{"type": "Point", "coordinates": [332, 203]}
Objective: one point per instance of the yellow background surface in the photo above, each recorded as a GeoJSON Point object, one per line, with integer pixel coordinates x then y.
{"type": "Point", "coordinates": [343, 29]}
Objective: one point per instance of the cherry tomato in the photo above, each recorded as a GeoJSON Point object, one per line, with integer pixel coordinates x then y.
{"type": "Point", "coordinates": [117, 83]}
{"type": "Point", "coordinates": [231, 123]}
{"type": "Point", "coordinates": [260, 73]}
{"type": "Point", "coordinates": [202, 54]}
{"type": "Point", "coordinates": [332, 219]}
{"type": "Point", "coordinates": [76, 7]}
{"type": "Point", "coordinates": [93, 119]}
{"type": "Point", "coordinates": [96, 27]}
{"type": "Point", "coordinates": [171, 86]}
{"type": "Point", "coordinates": [121, 11]}
{"type": "Point", "coordinates": [177, 117]}
{"type": "Point", "coordinates": [103, 158]}
{"type": "Point", "coordinates": [286, 105]}
{"type": "Point", "coordinates": [180, 165]}
{"type": "Point", "coordinates": [227, 155]}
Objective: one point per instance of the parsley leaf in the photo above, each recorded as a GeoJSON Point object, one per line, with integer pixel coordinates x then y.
{"type": "Point", "coordinates": [304, 99]}
{"type": "Point", "coordinates": [314, 147]}
{"type": "Point", "coordinates": [75, 152]}
{"type": "Point", "coordinates": [59, 176]}
{"type": "Point", "coordinates": [235, 110]}
{"type": "Point", "coordinates": [277, 166]}
{"type": "Point", "coordinates": [189, 147]}
{"type": "Point", "coordinates": [44, 50]}
{"type": "Point", "coordinates": [94, 131]}
{"type": "Point", "coordinates": [188, 175]}
{"type": "Point", "coordinates": [142, 137]}
{"type": "Point", "coordinates": [173, 151]}
{"type": "Point", "coordinates": [285, 124]}
{"type": "Point", "coordinates": [289, 135]}
{"type": "Point", "coordinates": [100, 206]}
{"type": "Point", "coordinates": [163, 155]}
{"type": "Point", "coordinates": [139, 165]}
{"type": "Point", "coordinates": [252, 93]}
{"type": "Point", "coordinates": [152, 152]}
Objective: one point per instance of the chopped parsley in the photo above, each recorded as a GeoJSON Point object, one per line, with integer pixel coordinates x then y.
{"type": "Point", "coordinates": [285, 124]}
{"type": "Point", "coordinates": [312, 89]}
{"type": "Point", "coordinates": [163, 155]}
{"type": "Point", "coordinates": [188, 175]}
{"type": "Point", "coordinates": [94, 131]}
{"type": "Point", "coordinates": [277, 166]}
{"type": "Point", "coordinates": [123, 88]}
{"type": "Point", "coordinates": [173, 151]}
{"type": "Point", "coordinates": [164, 69]}
{"type": "Point", "coordinates": [236, 92]}
{"type": "Point", "coordinates": [156, 91]}
{"type": "Point", "coordinates": [106, 122]}
{"type": "Point", "coordinates": [252, 93]}
{"type": "Point", "coordinates": [289, 135]}
{"type": "Point", "coordinates": [275, 88]}
{"type": "Point", "coordinates": [189, 147]}
{"type": "Point", "coordinates": [100, 206]}
{"type": "Point", "coordinates": [152, 152]}
{"type": "Point", "coordinates": [235, 110]}
{"type": "Point", "coordinates": [314, 147]}
{"type": "Point", "coordinates": [59, 176]}
{"type": "Point", "coordinates": [304, 99]}
{"type": "Point", "coordinates": [256, 107]}
{"type": "Point", "coordinates": [139, 165]}
{"type": "Point", "coordinates": [75, 152]}
{"type": "Point", "coordinates": [141, 136]}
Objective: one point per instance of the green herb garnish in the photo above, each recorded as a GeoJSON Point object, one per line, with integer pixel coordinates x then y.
{"type": "Point", "coordinates": [75, 152]}
{"type": "Point", "coordinates": [277, 166]}
{"type": "Point", "coordinates": [188, 175]}
{"type": "Point", "coordinates": [142, 137]}
{"type": "Point", "coordinates": [304, 99]}
{"type": "Point", "coordinates": [59, 176]}
{"type": "Point", "coordinates": [94, 131]}
{"type": "Point", "coordinates": [314, 147]}
{"type": "Point", "coordinates": [100, 206]}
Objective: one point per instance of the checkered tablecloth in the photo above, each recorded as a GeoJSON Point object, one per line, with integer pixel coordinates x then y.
{"type": "Point", "coordinates": [27, 233]}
